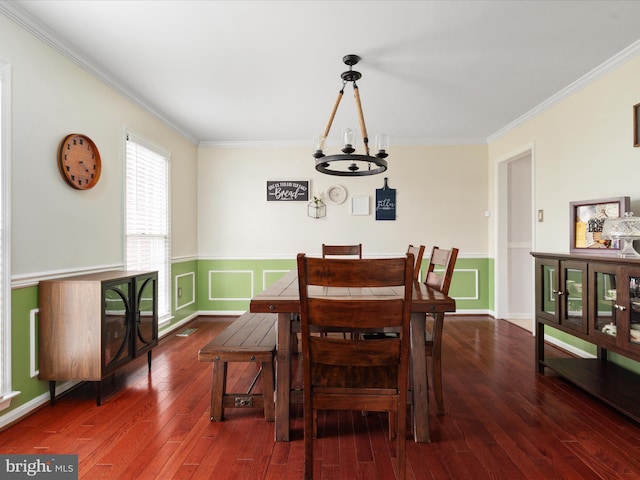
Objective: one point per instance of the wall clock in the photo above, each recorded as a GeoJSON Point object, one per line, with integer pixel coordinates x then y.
{"type": "Point", "coordinates": [79, 161]}
{"type": "Point", "coordinates": [336, 194]}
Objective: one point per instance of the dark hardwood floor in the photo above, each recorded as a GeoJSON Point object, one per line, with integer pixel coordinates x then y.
{"type": "Point", "coordinates": [502, 421]}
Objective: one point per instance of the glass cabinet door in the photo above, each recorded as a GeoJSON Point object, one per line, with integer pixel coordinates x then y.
{"type": "Point", "coordinates": [573, 279]}
{"type": "Point", "coordinates": [547, 305]}
{"type": "Point", "coordinates": [604, 309]}
{"type": "Point", "coordinates": [116, 324]}
{"type": "Point", "coordinates": [634, 308]}
{"type": "Point", "coordinates": [146, 335]}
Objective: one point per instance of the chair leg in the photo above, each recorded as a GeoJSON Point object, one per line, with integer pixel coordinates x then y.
{"type": "Point", "coordinates": [268, 386]}
{"type": "Point", "coordinates": [436, 373]}
{"type": "Point", "coordinates": [436, 362]}
{"type": "Point", "coordinates": [393, 425]}
{"type": "Point", "coordinates": [401, 445]}
{"type": "Point", "coordinates": [315, 424]}
{"type": "Point", "coordinates": [308, 446]}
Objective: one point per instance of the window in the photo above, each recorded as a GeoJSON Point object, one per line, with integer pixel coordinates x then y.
{"type": "Point", "coordinates": [5, 267]}
{"type": "Point", "coordinates": [147, 229]}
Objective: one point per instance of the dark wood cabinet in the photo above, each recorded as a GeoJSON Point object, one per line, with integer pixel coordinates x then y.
{"type": "Point", "coordinates": [90, 325]}
{"type": "Point", "coordinates": [597, 299]}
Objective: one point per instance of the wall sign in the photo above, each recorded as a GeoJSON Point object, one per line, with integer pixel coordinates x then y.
{"type": "Point", "coordinates": [385, 202]}
{"type": "Point", "coordinates": [287, 190]}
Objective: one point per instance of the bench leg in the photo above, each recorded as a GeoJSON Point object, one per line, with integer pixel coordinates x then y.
{"type": "Point", "coordinates": [218, 387]}
{"type": "Point", "coordinates": [268, 385]}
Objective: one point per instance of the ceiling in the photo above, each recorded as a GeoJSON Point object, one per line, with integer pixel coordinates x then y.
{"type": "Point", "coordinates": [235, 72]}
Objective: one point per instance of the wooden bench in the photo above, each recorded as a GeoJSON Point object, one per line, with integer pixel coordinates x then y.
{"type": "Point", "coordinates": [250, 338]}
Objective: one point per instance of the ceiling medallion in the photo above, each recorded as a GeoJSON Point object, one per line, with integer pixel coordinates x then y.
{"type": "Point", "coordinates": [348, 163]}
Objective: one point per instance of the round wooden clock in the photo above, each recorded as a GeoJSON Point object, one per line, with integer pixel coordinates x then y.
{"type": "Point", "coordinates": [79, 161]}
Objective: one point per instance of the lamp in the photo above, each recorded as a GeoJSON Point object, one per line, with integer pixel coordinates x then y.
{"type": "Point", "coordinates": [348, 163]}
{"type": "Point", "coordinates": [627, 229]}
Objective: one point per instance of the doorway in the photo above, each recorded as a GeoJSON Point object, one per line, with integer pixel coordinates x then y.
{"type": "Point", "coordinates": [514, 240]}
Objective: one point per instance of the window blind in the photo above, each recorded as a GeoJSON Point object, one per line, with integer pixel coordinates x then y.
{"type": "Point", "coordinates": [147, 229]}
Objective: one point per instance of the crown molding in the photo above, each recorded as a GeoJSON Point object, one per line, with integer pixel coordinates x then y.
{"type": "Point", "coordinates": [12, 10]}
{"type": "Point", "coordinates": [398, 143]}
{"type": "Point", "coordinates": [615, 62]}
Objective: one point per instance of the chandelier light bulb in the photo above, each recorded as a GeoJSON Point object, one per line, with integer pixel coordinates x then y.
{"type": "Point", "coordinates": [348, 139]}
{"type": "Point", "coordinates": [318, 146]}
{"type": "Point", "coordinates": [382, 145]}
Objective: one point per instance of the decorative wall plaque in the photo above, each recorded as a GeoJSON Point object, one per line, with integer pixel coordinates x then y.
{"type": "Point", "coordinates": [385, 202]}
{"type": "Point", "coordinates": [287, 190]}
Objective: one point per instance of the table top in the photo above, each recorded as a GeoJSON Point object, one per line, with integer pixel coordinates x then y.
{"type": "Point", "coordinates": [284, 297]}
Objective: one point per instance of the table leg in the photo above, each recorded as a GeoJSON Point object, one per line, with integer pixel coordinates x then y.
{"type": "Point", "coordinates": [283, 378]}
{"type": "Point", "coordinates": [420, 385]}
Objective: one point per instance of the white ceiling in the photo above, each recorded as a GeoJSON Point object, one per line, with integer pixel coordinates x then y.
{"type": "Point", "coordinates": [269, 71]}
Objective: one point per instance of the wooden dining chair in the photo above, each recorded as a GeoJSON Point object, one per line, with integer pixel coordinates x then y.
{"type": "Point", "coordinates": [342, 250]}
{"type": "Point", "coordinates": [352, 373]}
{"type": "Point", "coordinates": [417, 253]}
{"type": "Point", "coordinates": [438, 276]}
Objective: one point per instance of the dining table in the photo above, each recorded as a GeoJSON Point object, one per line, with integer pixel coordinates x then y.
{"type": "Point", "coordinates": [283, 298]}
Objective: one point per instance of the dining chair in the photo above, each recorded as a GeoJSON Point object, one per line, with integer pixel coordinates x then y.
{"type": "Point", "coordinates": [342, 250]}
{"type": "Point", "coordinates": [438, 276]}
{"type": "Point", "coordinates": [418, 253]}
{"type": "Point", "coordinates": [352, 373]}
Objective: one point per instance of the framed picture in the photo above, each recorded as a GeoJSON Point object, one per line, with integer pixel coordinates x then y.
{"type": "Point", "coordinates": [360, 205]}
{"type": "Point", "coordinates": [587, 220]}
{"type": "Point", "coordinates": [636, 125]}
{"type": "Point", "coordinates": [287, 190]}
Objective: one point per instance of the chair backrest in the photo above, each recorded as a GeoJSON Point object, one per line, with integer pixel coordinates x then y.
{"type": "Point", "coordinates": [445, 262]}
{"type": "Point", "coordinates": [418, 253]}
{"type": "Point", "coordinates": [342, 250]}
{"type": "Point", "coordinates": [347, 372]}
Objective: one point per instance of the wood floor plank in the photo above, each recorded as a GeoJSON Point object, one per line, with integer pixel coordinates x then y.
{"type": "Point", "coordinates": [502, 421]}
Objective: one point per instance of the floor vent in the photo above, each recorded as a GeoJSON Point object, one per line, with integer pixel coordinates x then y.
{"type": "Point", "coordinates": [186, 332]}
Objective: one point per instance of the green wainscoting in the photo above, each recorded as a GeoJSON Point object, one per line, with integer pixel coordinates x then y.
{"type": "Point", "coordinates": [24, 346]}
{"type": "Point", "coordinates": [228, 285]}
{"type": "Point", "coordinates": [184, 293]}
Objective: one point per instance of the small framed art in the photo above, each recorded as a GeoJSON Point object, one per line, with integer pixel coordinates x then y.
{"type": "Point", "coordinates": [586, 221]}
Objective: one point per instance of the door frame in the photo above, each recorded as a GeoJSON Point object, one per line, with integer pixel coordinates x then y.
{"type": "Point", "coordinates": [501, 236]}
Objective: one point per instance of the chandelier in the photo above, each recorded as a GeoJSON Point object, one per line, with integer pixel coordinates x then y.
{"type": "Point", "coordinates": [348, 163]}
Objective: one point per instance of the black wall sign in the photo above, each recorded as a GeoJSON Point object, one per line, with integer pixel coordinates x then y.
{"type": "Point", "coordinates": [385, 202]}
{"type": "Point", "coordinates": [287, 190]}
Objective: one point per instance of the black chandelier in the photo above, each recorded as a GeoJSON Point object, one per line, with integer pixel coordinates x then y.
{"type": "Point", "coordinates": [348, 163]}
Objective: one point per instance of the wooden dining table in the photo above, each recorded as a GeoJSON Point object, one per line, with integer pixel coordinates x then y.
{"type": "Point", "coordinates": [283, 298]}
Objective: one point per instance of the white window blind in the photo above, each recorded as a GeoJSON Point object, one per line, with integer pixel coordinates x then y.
{"type": "Point", "coordinates": [147, 230]}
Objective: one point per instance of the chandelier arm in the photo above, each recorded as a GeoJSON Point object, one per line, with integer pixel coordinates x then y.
{"type": "Point", "coordinates": [363, 127]}
{"type": "Point", "coordinates": [333, 113]}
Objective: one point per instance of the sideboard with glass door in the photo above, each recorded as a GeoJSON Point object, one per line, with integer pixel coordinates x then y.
{"type": "Point", "coordinates": [91, 325]}
{"type": "Point", "coordinates": [595, 298]}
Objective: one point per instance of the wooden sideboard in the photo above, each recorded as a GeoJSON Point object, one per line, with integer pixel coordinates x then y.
{"type": "Point", "coordinates": [595, 298]}
{"type": "Point", "coordinates": [90, 325]}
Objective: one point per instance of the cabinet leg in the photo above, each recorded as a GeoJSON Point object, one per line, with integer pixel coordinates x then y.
{"type": "Point", "coordinates": [52, 392]}
{"type": "Point", "coordinates": [149, 359]}
{"type": "Point", "coordinates": [98, 392]}
{"type": "Point", "coordinates": [539, 358]}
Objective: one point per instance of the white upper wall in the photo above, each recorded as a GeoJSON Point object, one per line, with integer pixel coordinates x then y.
{"type": "Point", "coordinates": [56, 228]}
{"type": "Point", "coordinates": [441, 194]}
{"type": "Point", "coordinates": [582, 149]}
